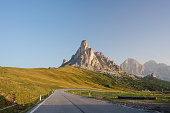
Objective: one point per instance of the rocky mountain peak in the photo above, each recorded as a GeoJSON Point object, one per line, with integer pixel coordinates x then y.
{"type": "Point", "coordinates": [84, 58]}
{"type": "Point", "coordinates": [132, 66]}
{"type": "Point", "coordinates": [159, 70]}
{"type": "Point", "coordinates": [151, 62]}
{"type": "Point", "coordinates": [84, 44]}
{"type": "Point", "coordinates": [87, 59]}
{"type": "Point", "coordinates": [131, 60]}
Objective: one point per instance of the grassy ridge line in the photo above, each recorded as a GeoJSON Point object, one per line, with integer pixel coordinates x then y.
{"type": "Point", "coordinates": [19, 84]}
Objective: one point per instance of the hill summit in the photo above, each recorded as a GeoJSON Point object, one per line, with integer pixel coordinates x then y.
{"type": "Point", "coordinates": [86, 58]}
{"type": "Point", "coordinates": [161, 70]}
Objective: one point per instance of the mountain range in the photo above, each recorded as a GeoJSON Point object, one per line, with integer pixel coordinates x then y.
{"type": "Point", "coordinates": [18, 84]}
{"type": "Point", "coordinates": [86, 58]}
{"type": "Point", "coordinates": [134, 67]}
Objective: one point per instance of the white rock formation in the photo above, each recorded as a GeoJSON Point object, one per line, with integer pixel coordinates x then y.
{"type": "Point", "coordinates": [87, 59]}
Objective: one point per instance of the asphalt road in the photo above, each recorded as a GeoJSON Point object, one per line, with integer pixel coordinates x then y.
{"type": "Point", "coordinates": [61, 102]}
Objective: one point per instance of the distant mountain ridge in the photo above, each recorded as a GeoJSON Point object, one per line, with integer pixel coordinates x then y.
{"type": "Point", "coordinates": [134, 67]}
{"type": "Point", "coordinates": [87, 59]}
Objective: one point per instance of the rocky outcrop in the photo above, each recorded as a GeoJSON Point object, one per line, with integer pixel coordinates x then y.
{"type": "Point", "coordinates": [152, 75]}
{"type": "Point", "coordinates": [85, 58]}
{"type": "Point", "coordinates": [106, 64]}
{"type": "Point", "coordinates": [132, 66]}
{"type": "Point", "coordinates": [64, 61]}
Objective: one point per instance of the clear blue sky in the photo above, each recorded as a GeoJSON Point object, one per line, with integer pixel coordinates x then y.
{"type": "Point", "coordinates": [41, 33]}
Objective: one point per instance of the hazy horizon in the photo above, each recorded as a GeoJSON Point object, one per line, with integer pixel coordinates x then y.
{"type": "Point", "coordinates": [42, 33]}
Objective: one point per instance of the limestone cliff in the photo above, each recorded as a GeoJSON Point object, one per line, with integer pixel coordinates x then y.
{"type": "Point", "coordinates": [161, 70]}
{"type": "Point", "coordinates": [87, 59]}
{"type": "Point", "coordinates": [132, 66]}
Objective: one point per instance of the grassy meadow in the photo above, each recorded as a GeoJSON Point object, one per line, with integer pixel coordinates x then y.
{"type": "Point", "coordinates": [21, 86]}
{"type": "Point", "coordinates": [113, 95]}
{"type": "Point", "coordinates": [18, 84]}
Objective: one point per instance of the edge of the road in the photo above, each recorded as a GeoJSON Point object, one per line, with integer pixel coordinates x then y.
{"type": "Point", "coordinates": [37, 106]}
{"type": "Point", "coordinates": [149, 111]}
{"type": "Point", "coordinates": [32, 110]}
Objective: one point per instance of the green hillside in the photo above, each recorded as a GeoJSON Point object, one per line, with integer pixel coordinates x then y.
{"type": "Point", "coordinates": [139, 84]}
{"type": "Point", "coordinates": [18, 84]}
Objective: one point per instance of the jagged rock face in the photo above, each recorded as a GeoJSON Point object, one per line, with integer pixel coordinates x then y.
{"type": "Point", "coordinates": [161, 70]}
{"type": "Point", "coordinates": [87, 59]}
{"type": "Point", "coordinates": [107, 65]}
{"type": "Point", "coordinates": [133, 67]}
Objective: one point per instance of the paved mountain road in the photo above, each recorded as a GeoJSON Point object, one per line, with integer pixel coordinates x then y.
{"type": "Point", "coordinates": [62, 102]}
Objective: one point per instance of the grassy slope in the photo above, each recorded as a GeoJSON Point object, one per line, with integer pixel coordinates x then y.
{"type": "Point", "coordinates": [18, 83]}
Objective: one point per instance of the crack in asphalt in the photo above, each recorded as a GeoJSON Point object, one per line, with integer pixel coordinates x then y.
{"type": "Point", "coordinates": [73, 104]}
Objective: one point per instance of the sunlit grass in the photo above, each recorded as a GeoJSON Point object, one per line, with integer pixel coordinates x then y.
{"type": "Point", "coordinates": [19, 84]}
{"type": "Point", "coordinates": [113, 96]}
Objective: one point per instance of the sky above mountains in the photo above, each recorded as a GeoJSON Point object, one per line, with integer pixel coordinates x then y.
{"type": "Point", "coordinates": [41, 33]}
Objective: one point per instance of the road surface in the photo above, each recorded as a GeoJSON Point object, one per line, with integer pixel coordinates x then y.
{"type": "Point", "coordinates": [62, 102]}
